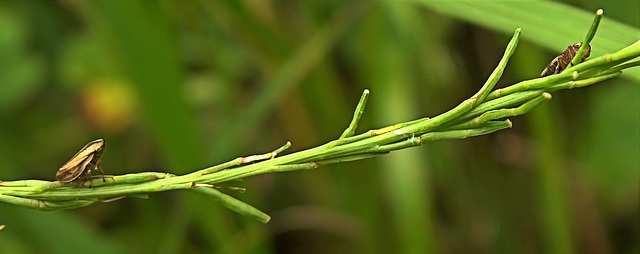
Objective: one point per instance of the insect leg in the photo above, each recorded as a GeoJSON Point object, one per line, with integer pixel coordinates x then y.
{"type": "Point", "coordinates": [89, 174]}
{"type": "Point", "coordinates": [99, 169]}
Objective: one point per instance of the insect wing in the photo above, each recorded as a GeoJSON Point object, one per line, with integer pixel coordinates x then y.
{"type": "Point", "coordinates": [87, 157]}
{"type": "Point", "coordinates": [74, 167]}
{"type": "Point", "coordinates": [552, 68]}
{"type": "Point", "coordinates": [563, 60]}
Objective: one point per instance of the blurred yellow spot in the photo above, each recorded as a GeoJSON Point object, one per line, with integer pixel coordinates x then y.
{"type": "Point", "coordinates": [109, 105]}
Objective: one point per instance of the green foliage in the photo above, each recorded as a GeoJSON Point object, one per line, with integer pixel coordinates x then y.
{"type": "Point", "coordinates": [198, 82]}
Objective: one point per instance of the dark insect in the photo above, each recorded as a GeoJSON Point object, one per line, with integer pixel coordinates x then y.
{"type": "Point", "coordinates": [561, 61]}
{"type": "Point", "coordinates": [87, 159]}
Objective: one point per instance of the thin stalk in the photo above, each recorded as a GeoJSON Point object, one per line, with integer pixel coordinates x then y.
{"type": "Point", "coordinates": [474, 116]}
{"type": "Point", "coordinates": [357, 114]}
{"type": "Point", "coordinates": [497, 72]}
{"type": "Point", "coordinates": [592, 33]}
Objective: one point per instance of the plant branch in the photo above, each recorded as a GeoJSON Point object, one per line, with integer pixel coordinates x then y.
{"type": "Point", "coordinates": [592, 33]}
{"type": "Point", "coordinates": [357, 114]}
{"type": "Point", "coordinates": [478, 115]}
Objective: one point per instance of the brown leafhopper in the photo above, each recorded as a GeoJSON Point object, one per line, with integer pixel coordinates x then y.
{"type": "Point", "coordinates": [561, 61]}
{"type": "Point", "coordinates": [87, 159]}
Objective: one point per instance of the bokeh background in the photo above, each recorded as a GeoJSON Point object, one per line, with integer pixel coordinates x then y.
{"type": "Point", "coordinates": [176, 86]}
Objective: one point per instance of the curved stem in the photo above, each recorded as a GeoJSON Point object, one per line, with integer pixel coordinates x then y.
{"type": "Point", "coordinates": [474, 116]}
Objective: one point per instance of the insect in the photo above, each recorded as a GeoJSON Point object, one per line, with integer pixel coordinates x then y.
{"type": "Point", "coordinates": [87, 159]}
{"type": "Point", "coordinates": [561, 61]}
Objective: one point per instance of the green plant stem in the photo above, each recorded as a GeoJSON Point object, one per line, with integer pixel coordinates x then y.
{"type": "Point", "coordinates": [487, 128]}
{"type": "Point", "coordinates": [497, 72]}
{"type": "Point", "coordinates": [235, 205]}
{"type": "Point", "coordinates": [475, 116]}
{"type": "Point", "coordinates": [357, 114]}
{"type": "Point", "coordinates": [592, 33]}
{"type": "Point", "coordinates": [498, 103]}
{"type": "Point", "coordinates": [44, 205]}
{"type": "Point", "coordinates": [582, 83]}
{"type": "Point", "coordinates": [597, 66]}
{"type": "Point", "coordinates": [503, 112]}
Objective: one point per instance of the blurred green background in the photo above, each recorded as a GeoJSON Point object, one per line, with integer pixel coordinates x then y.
{"type": "Point", "coordinates": [179, 86]}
